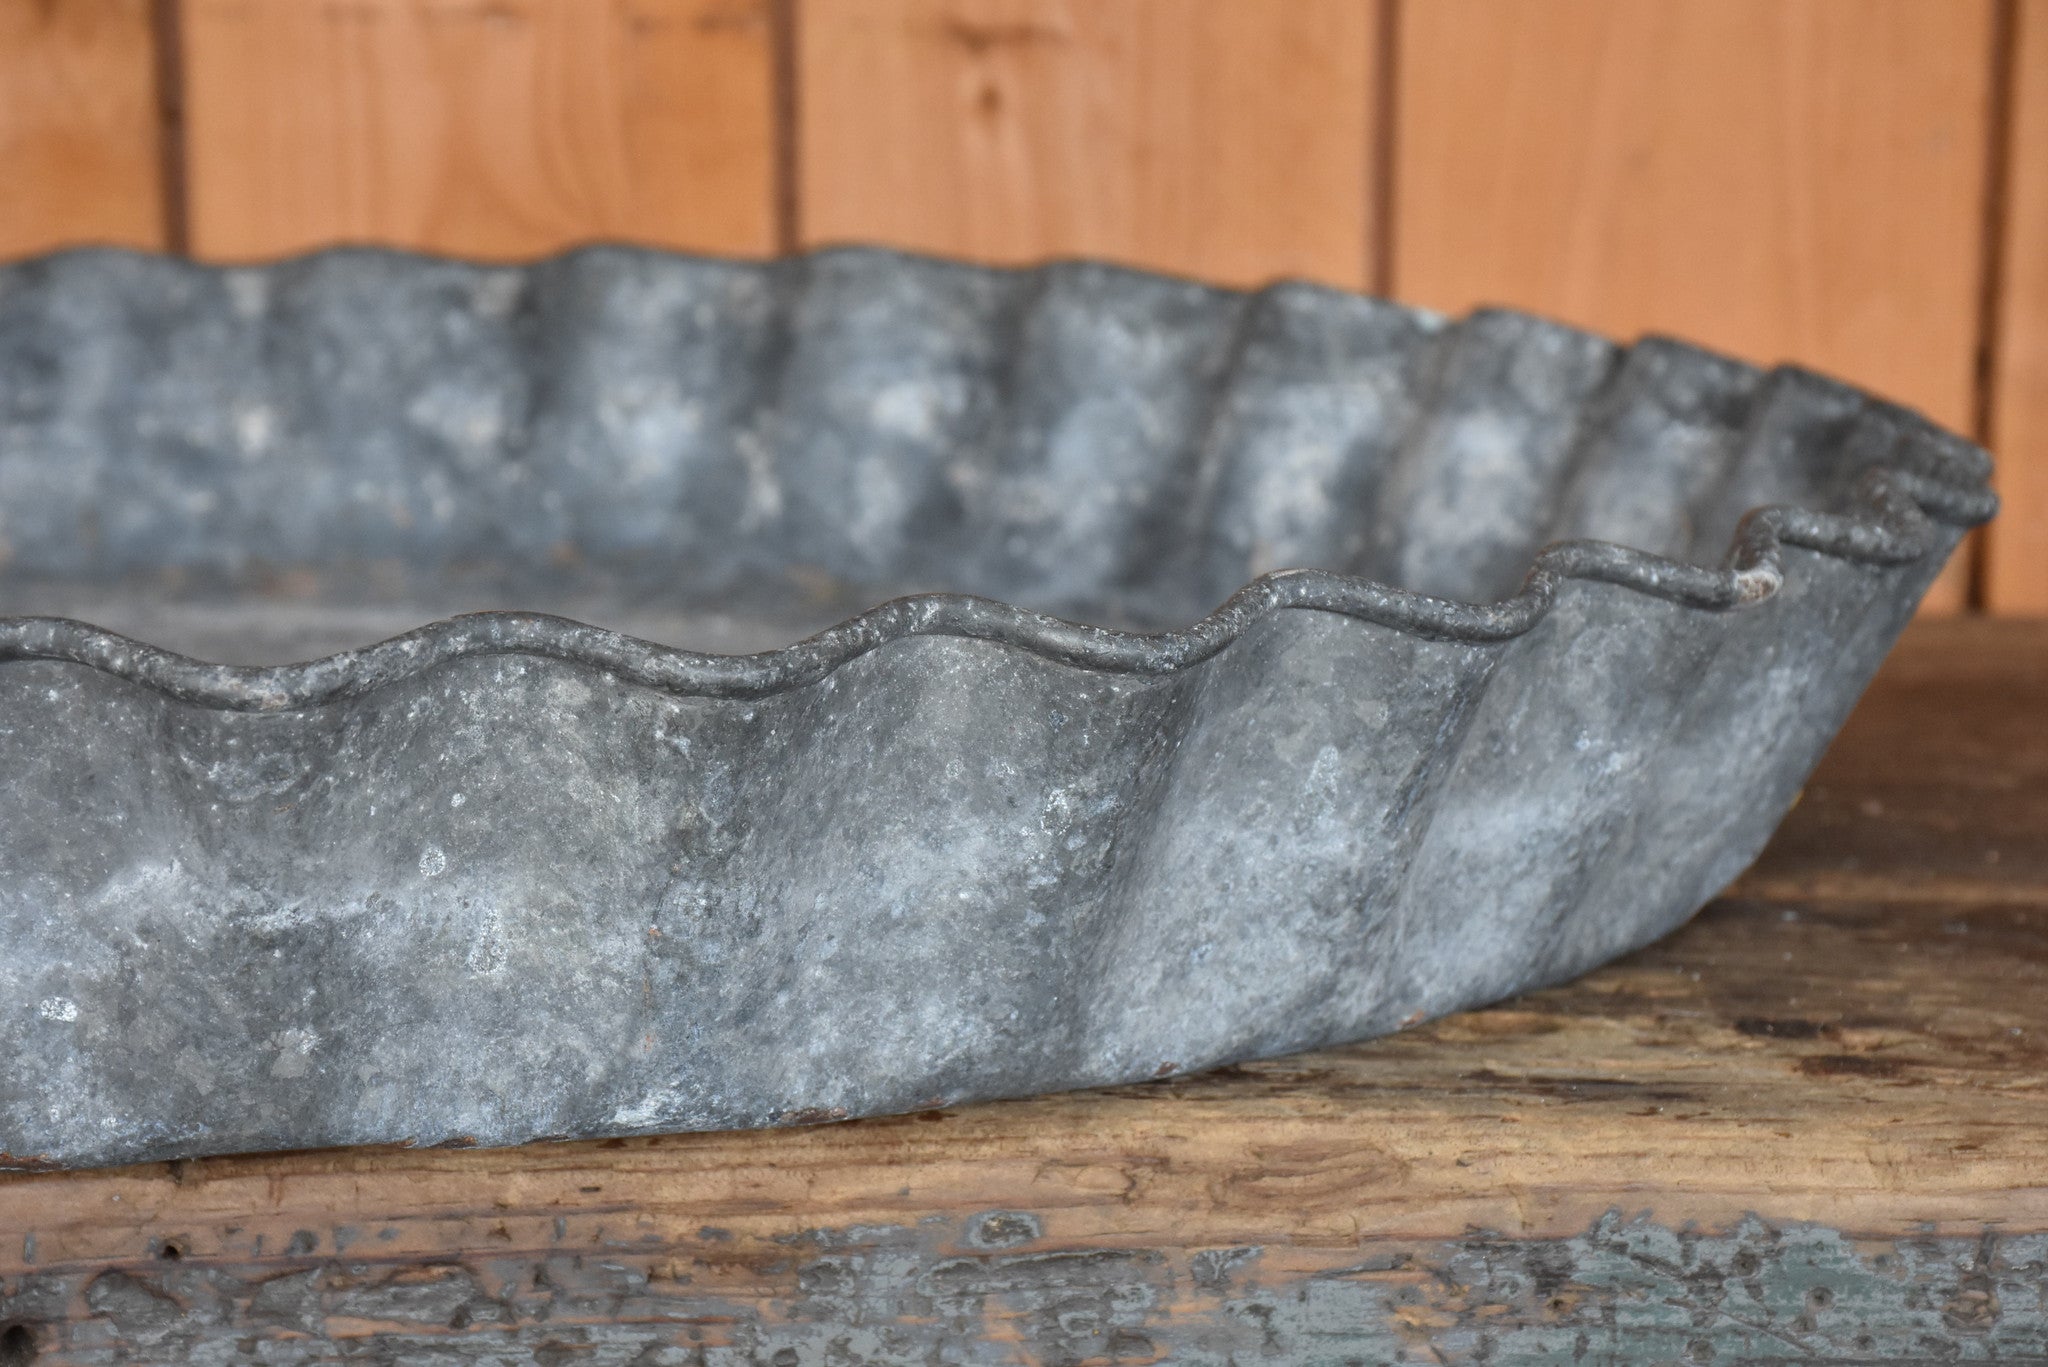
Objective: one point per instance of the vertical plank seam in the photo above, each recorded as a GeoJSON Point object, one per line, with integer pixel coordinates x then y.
{"type": "Point", "coordinates": [166, 34]}
{"type": "Point", "coordinates": [1383, 110]}
{"type": "Point", "coordinates": [784, 16]}
{"type": "Point", "coordinates": [2003, 60]}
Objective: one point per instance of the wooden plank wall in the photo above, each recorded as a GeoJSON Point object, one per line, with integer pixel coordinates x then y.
{"type": "Point", "coordinates": [496, 128]}
{"type": "Point", "coordinates": [81, 141]}
{"type": "Point", "coordinates": [1777, 180]}
{"type": "Point", "coordinates": [2016, 570]}
{"type": "Point", "coordinates": [1219, 138]}
{"type": "Point", "coordinates": [1859, 185]}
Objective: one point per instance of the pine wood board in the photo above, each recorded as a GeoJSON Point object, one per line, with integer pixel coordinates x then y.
{"type": "Point", "coordinates": [81, 142]}
{"type": "Point", "coordinates": [499, 129]}
{"type": "Point", "coordinates": [1222, 139]}
{"type": "Point", "coordinates": [1782, 181]}
{"type": "Point", "coordinates": [2016, 559]}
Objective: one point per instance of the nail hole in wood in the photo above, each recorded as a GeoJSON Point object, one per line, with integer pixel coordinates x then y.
{"type": "Point", "coordinates": [17, 1346]}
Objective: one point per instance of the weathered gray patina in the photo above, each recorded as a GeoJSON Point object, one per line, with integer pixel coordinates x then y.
{"type": "Point", "coordinates": [512, 876]}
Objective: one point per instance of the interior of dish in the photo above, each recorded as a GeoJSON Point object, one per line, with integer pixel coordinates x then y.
{"type": "Point", "coordinates": [265, 464]}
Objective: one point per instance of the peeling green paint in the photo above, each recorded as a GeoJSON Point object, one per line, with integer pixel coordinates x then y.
{"type": "Point", "coordinates": [988, 1291]}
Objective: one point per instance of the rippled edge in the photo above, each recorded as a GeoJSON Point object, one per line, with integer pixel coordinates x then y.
{"type": "Point", "coordinates": [1893, 524]}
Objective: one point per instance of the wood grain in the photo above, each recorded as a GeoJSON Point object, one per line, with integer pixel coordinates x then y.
{"type": "Point", "coordinates": [485, 128]}
{"type": "Point", "coordinates": [1216, 138]}
{"type": "Point", "coordinates": [1783, 181]}
{"type": "Point", "coordinates": [81, 149]}
{"type": "Point", "coordinates": [1814, 1119]}
{"type": "Point", "coordinates": [2016, 561]}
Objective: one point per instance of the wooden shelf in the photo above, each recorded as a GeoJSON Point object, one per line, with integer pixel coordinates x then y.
{"type": "Point", "coordinates": [1811, 1125]}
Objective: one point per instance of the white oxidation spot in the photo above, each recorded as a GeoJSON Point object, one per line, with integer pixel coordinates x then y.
{"type": "Point", "coordinates": [255, 428]}
{"type": "Point", "coordinates": [248, 293]}
{"type": "Point", "coordinates": [57, 1009]}
{"type": "Point", "coordinates": [914, 409]}
{"type": "Point", "coordinates": [433, 863]}
{"type": "Point", "coordinates": [457, 800]}
{"type": "Point", "coordinates": [294, 1052]}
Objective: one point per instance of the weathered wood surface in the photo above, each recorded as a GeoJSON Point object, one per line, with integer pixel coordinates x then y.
{"type": "Point", "coordinates": [1811, 1126]}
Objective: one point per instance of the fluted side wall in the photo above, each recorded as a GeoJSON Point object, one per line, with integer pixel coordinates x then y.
{"type": "Point", "coordinates": [513, 877]}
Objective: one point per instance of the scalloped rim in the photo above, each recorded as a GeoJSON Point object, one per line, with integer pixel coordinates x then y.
{"type": "Point", "coordinates": [1895, 526]}
{"type": "Point", "coordinates": [1892, 522]}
